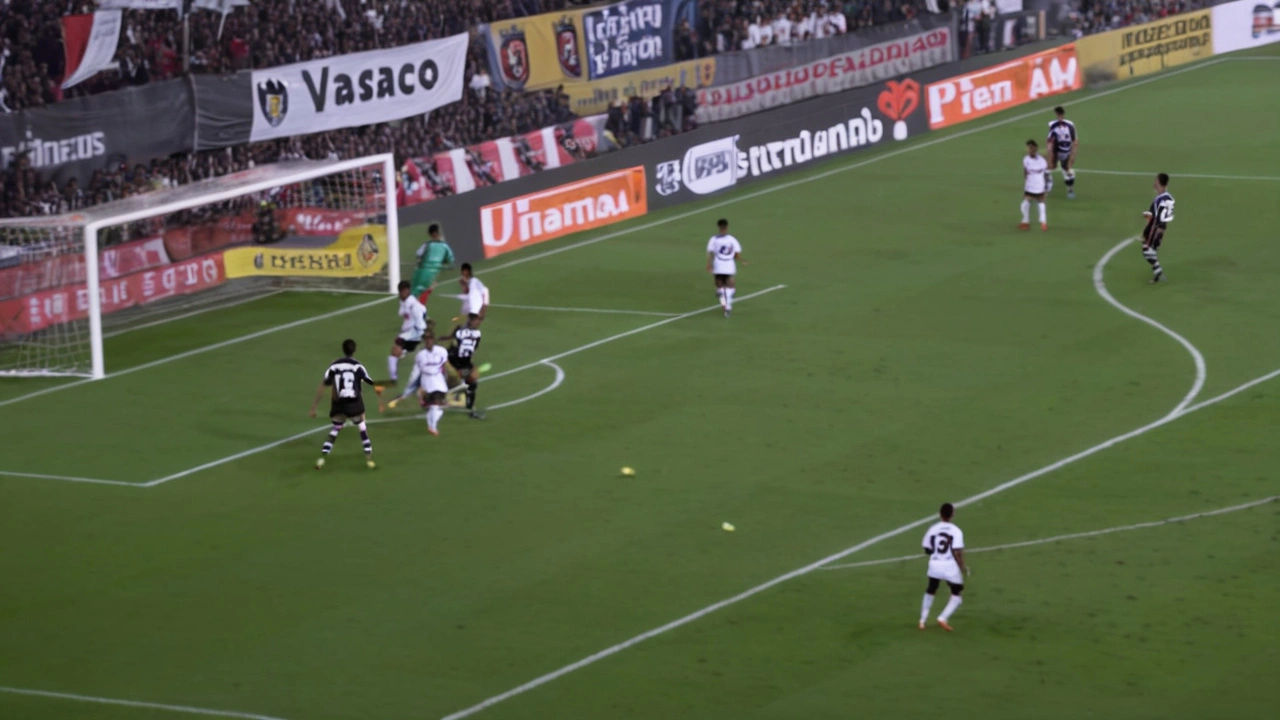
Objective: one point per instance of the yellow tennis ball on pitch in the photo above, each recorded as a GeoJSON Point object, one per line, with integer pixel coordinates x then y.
{"type": "Point", "coordinates": [629, 472]}
{"type": "Point", "coordinates": [727, 527]}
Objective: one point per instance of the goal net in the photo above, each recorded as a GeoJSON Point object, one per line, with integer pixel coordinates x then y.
{"type": "Point", "coordinates": [68, 282]}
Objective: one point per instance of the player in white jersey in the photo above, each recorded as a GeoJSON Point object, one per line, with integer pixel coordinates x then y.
{"type": "Point", "coordinates": [944, 544]}
{"type": "Point", "coordinates": [723, 253]}
{"type": "Point", "coordinates": [429, 365]}
{"type": "Point", "coordinates": [413, 323]}
{"type": "Point", "coordinates": [475, 294]}
{"type": "Point", "coordinates": [1035, 173]}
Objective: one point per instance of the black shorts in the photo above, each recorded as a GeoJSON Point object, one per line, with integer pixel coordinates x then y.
{"type": "Point", "coordinates": [1152, 237]}
{"type": "Point", "coordinates": [461, 364]}
{"type": "Point", "coordinates": [724, 279]}
{"type": "Point", "coordinates": [408, 345]}
{"type": "Point", "coordinates": [1033, 196]}
{"type": "Point", "coordinates": [934, 583]}
{"type": "Point", "coordinates": [344, 410]}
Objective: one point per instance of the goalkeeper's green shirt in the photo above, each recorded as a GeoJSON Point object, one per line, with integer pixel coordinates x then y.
{"type": "Point", "coordinates": [434, 254]}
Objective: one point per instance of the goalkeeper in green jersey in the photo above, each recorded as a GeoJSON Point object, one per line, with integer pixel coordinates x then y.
{"type": "Point", "coordinates": [434, 255]}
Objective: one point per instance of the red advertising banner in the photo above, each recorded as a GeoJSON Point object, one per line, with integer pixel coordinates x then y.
{"type": "Point", "coordinates": [489, 163]}
{"type": "Point", "coordinates": [45, 308]}
{"type": "Point", "coordinates": [63, 270]}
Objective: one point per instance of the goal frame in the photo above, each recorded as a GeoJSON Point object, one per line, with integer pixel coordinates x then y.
{"type": "Point", "coordinates": [95, 220]}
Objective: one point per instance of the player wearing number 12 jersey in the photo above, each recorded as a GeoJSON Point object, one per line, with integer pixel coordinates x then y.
{"type": "Point", "coordinates": [944, 545]}
{"type": "Point", "coordinates": [346, 378]}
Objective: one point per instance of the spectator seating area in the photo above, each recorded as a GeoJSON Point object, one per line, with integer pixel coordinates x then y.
{"type": "Point", "coordinates": [275, 32]}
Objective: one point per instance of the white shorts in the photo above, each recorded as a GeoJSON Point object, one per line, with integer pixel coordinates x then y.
{"type": "Point", "coordinates": [434, 384]}
{"type": "Point", "coordinates": [946, 573]}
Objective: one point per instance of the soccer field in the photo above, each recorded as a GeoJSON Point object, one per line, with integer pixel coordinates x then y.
{"type": "Point", "coordinates": [897, 342]}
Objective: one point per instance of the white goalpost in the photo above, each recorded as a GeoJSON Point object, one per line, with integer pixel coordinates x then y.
{"type": "Point", "coordinates": [69, 281]}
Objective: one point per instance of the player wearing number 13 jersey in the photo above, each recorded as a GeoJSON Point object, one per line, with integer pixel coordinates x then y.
{"type": "Point", "coordinates": [1158, 216]}
{"type": "Point", "coordinates": [345, 378]}
{"type": "Point", "coordinates": [944, 545]}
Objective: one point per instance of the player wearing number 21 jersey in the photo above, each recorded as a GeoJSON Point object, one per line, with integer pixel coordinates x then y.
{"type": "Point", "coordinates": [1158, 216]}
{"type": "Point", "coordinates": [944, 545]}
{"type": "Point", "coordinates": [345, 378]}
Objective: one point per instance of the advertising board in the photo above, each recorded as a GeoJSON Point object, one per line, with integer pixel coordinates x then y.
{"type": "Point", "coordinates": [1245, 24]}
{"type": "Point", "coordinates": [973, 95]}
{"type": "Point", "coordinates": [1146, 48]}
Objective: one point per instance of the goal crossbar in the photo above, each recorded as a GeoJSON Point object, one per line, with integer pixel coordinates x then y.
{"type": "Point", "coordinates": [205, 192]}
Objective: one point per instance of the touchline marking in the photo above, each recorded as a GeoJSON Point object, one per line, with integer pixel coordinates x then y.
{"type": "Point", "coordinates": [1071, 536]}
{"type": "Point", "coordinates": [137, 704]}
{"type": "Point", "coordinates": [1100, 285]}
{"type": "Point", "coordinates": [699, 614]}
{"type": "Point", "coordinates": [68, 478]}
{"type": "Point", "coordinates": [544, 361]}
{"type": "Point", "coordinates": [1180, 176]}
{"type": "Point", "coordinates": [605, 311]}
{"type": "Point", "coordinates": [701, 209]}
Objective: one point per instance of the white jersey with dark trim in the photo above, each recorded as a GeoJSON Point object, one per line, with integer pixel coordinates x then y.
{"type": "Point", "coordinates": [1062, 136]}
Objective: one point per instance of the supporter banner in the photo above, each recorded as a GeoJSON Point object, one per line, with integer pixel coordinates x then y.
{"type": "Point", "coordinates": [552, 49]}
{"type": "Point", "coordinates": [829, 75]}
{"type": "Point", "coordinates": [495, 161]}
{"type": "Point", "coordinates": [594, 97]}
{"type": "Point", "coordinates": [90, 44]}
{"type": "Point", "coordinates": [548, 214]}
{"type": "Point", "coordinates": [761, 145]}
{"type": "Point", "coordinates": [73, 138]}
{"type": "Point", "coordinates": [358, 89]}
{"type": "Point", "coordinates": [974, 95]}
{"type": "Point", "coordinates": [1245, 24]}
{"type": "Point", "coordinates": [140, 5]}
{"type": "Point", "coordinates": [113, 262]}
{"type": "Point", "coordinates": [1147, 48]}
{"type": "Point", "coordinates": [358, 252]}
{"type": "Point", "coordinates": [736, 66]}
{"type": "Point", "coordinates": [43, 309]}
{"type": "Point", "coordinates": [632, 35]}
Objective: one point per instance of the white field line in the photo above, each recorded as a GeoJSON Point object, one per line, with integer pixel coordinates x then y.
{"type": "Point", "coordinates": [544, 361]}
{"type": "Point", "coordinates": [199, 350]}
{"type": "Point", "coordinates": [605, 311]}
{"type": "Point", "coordinates": [68, 478]}
{"type": "Point", "coordinates": [798, 572]}
{"type": "Point", "coordinates": [701, 209]}
{"type": "Point", "coordinates": [556, 383]}
{"type": "Point", "coordinates": [1179, 176]}
{"type": "Point", "coordinates": [1178, 412]}
{"type": "Point", "coordinates": [136, 704]}
{"type": "Point", "coordinates": [1100, 285]}
{"type": "Point", "coordinates": [193, 313]}
{"type": "Point", "coordinates": [1070, 536]}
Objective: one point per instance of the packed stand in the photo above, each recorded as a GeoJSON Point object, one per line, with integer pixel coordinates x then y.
{"type": "Point", "coordinates": [1101, 15]}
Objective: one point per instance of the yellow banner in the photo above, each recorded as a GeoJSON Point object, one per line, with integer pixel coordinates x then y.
{"type": "Point", "coordinates": [358, 252]}
{"type": "Point", "coordinates": [537, 52]}
{"type": "Point", "coordinates": [1147, 48]}
{"type": "Point", "coordinates": [593, 98]}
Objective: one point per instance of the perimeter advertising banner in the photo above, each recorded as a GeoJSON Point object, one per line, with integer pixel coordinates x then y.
{"type": "Point", "coordinates": [358, 89]}
{"type": "Point", "coordinates": [552, 49]}
{"type": "Point", "coordinates": [856, 68]}
{"type": "Point", "coordinates": [1147, 48]}
{"type": "Point", "coordinates": [973, 95]}
{"type": "Point", "coordinates": [358, 252]}
{"type": "Point", "coordinates": [1245, 24]}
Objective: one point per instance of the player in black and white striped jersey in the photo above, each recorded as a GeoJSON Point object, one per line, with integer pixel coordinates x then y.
{"type": "Point", "coordinates": [1158, 216]}
{"type": "Point", "coordinates": [345, 378]}
{"type": "Point", "coordinates": [1062, 143]}
{"type": "Point", "coordinates": [466, 340]}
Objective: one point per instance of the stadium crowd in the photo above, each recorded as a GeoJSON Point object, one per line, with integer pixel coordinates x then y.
{"type": "Point", "coordinates": [274, 32]}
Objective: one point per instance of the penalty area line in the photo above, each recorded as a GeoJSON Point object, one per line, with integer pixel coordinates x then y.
{"type": "Point", "coordinates": [68, 478]}
{"type": "Point", "coordinates": [186, 709]}
{"type": "Point", "coordinates": [602, 311]}
{"type": "Point", "coordinates": [1179, 176]}
{"type": "Point", "coordinates": [1071, 536]}
{"type": "Point", "coordinates": [551, 361]}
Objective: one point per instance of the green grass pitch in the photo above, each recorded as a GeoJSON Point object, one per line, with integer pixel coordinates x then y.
{"type": "Point", "coordinates": [921, 350]}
